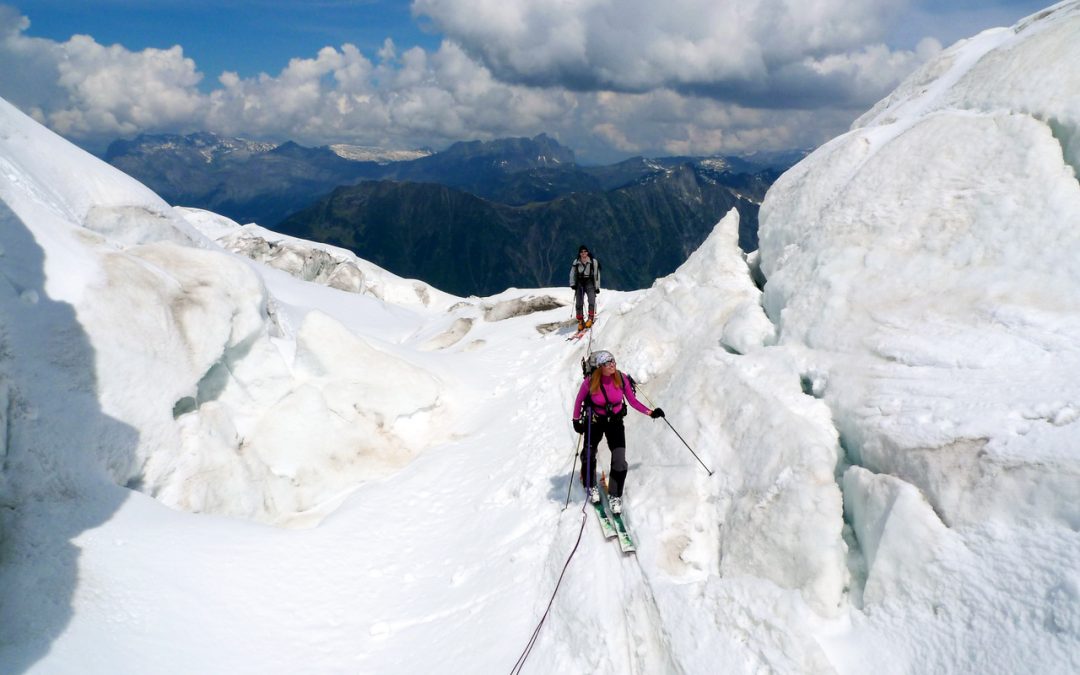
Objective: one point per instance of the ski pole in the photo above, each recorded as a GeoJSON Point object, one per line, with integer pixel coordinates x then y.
{"type": "Point", "coordinates": [570, 484]}
{"type": "Point", "coordinates": [679, 435]}
{"type": "Point", "coordinates": [688, 447]}
{"type": "Point", "coordinates": [590, 466]}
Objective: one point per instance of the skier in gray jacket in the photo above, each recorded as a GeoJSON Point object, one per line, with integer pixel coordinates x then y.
{"type": "Point", "coordinates": [585, 280]}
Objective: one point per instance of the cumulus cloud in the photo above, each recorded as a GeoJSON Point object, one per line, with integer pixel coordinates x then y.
{"type": "Point", "coordinates": [764, 53]}
{"type": "Point", "coordinates": [82, 89]}
{"type": "Point", "coordinates": [29, 70]}
{"type": "Point", "coordinates": [688, 77]}
{"type": "Point", "coordinates": [113, 90]}
{"type": "Point", "coordinates": [94, 93]}
{"type": "Point", "coordinates": [342, 96]}
{"type": "Point", "coordinates": [665, 122]}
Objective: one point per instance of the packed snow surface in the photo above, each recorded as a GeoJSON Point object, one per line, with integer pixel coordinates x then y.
{"type": "Point", "coordinates": [227, 450]}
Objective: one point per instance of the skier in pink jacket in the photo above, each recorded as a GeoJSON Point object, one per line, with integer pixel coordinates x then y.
{"type": "Point", "coordinates": [598, 412]}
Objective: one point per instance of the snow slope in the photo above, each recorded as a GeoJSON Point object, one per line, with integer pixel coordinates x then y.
{"type": "Point", "coordinates": [225, 450]}
{"type": "Point", "coordinates": [415, 446]}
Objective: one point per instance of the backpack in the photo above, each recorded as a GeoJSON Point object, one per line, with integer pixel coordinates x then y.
{"type": "Point", "coordinates": [597, 267]}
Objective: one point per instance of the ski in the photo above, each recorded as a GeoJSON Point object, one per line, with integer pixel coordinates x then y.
{"type": "Point", "coordinates": [626, 542]}
{"type": "Point", "coordinates": [577, 335]}
{"type": "Point", "coordinates": [606, 525]}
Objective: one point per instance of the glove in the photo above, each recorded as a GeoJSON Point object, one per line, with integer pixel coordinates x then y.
{"type": "Point", "coordinates": [573, 286]}
{"type": "Point", "coordinates": [579, 425]}
{"type": "Point", "coordinates": [656, 412]}
{"type": "Point", "coordinates": [598, 290]}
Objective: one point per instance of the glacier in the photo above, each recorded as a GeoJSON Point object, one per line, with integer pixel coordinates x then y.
{"type": "Point", "coordinates": [225, 449]}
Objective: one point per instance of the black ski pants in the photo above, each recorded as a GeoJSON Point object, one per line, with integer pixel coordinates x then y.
{"type": "Point", "coordinates": [585, 289]}
{"type": "Point", "coordinates": [598, 427]}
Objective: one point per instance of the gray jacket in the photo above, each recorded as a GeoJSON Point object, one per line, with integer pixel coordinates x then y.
{"type": "Point", "coordinates": [585, 272]}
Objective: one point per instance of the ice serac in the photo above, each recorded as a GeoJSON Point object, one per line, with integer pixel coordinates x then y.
{"type": "Point", "coordinates": [198, 399]}
{"type": "Point", "coordinates": [888, 514]}
{"type": "Point", "coordinates": [711, 291]}
{"type": "Point", "coordinates": [934, 245]}
{"type": "Point", "coordinates": [775, 449]}
{"type": "Point", "coordinates": [924, 263]}
{"type": "Point", "coordinates": [784, 521]}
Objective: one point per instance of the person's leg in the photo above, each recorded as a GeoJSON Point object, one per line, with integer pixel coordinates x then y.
{"type": "Point", "coordinates": [591, 291]}
{"type": "Point", "coordinates": [579, 301]}
{"type": "Point", "coordinates": [594, 432]}
{"type": "Point", "coordinates": [616, 438]}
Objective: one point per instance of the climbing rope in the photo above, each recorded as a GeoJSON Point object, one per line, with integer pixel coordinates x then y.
{"type": "Point", "coordinates": [520, 663]}
{"type": "Point", "coordinates": [536, 631]}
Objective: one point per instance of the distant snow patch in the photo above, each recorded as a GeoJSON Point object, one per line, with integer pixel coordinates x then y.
{"type": "Point", "coordinates": [359, 153]}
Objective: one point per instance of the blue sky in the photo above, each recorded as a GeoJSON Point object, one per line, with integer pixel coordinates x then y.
{"type": "Point", "coordinates": [246, 36]}
{"type": "Point", "coordinates": [608, 79]}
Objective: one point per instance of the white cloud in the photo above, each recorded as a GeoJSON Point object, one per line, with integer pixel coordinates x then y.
{"type": "Point", "coordinates": [113, 89]}
{"type": "Point", "coordinates": [83, 89]}
{"type": "Point", "coordinates": [664, 122]}
{"type": "Point", "coordinates": [431, 98]}
{"type": "Point", "coordinates": [695, 77]}
{"type": "Point", "coordinates": [740, 51]}
{"type": "Point", "coordinates": [93, 93]}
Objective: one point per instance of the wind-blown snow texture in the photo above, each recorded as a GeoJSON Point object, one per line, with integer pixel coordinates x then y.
{"type": "Point", "coordinates": [225, 450]}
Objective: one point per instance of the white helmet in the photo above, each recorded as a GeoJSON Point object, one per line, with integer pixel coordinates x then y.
{"type": "Point", "coordinates": [600, 358]}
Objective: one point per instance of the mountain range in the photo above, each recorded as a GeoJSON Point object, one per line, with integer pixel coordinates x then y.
{"type": "Point", "coordinates": [473, 219]}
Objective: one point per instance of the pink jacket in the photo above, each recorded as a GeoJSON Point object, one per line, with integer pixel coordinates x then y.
{"type": "Point", "coordinates": [607, 385]}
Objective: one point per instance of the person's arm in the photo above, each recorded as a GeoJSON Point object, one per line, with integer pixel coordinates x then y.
{"type": "Point", "coordinates": [583, 391]}
{"type": "Point", "coordinates": [573, 275]}
{"type": "Point", "coordinates": [596, 274]}
{"type": "Point", "coordinates": [628, 391]}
